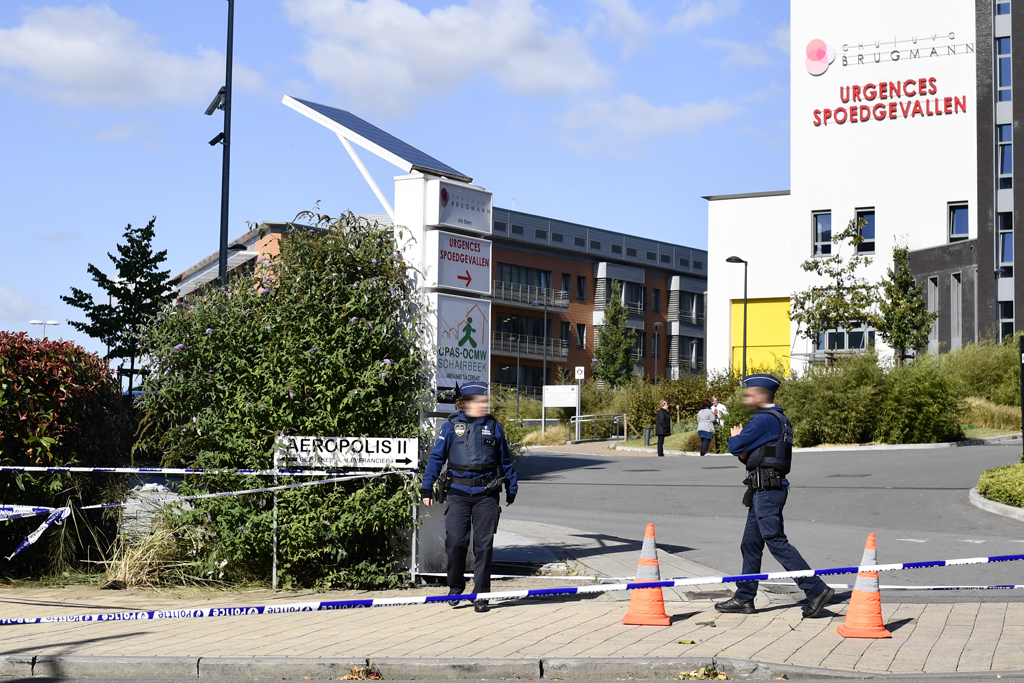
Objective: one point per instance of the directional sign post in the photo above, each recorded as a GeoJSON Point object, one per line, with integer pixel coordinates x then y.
{"type": "Point", "coordinates": [463, 263]}
{"type": "Point", "coordinates": [339, 452]}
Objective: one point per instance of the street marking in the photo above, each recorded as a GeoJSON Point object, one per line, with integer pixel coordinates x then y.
{"type": "Point", "coordinates": [913, 540]}
{"type": "Point", "coordinates": [967, 540]}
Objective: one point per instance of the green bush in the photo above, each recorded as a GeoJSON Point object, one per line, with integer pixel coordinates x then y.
{"type": "Point", "coordinates": [642, 403]}
{"type": "Point", "coordinates": [324, 339]}
{"type": "Point", "coordinates": [921, 404]}
{"type": "Point", "coordinates": [60, 406]}
{"type": "Point", "coordinates": [1003, 484]}
{"type": "Point", "coordinates": [987, 370]}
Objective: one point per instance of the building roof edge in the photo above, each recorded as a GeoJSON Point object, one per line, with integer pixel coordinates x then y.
{"type": "Point", "coordinates": [745, 195]}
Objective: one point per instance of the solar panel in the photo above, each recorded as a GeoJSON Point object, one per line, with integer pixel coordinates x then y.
{"type": "Point", "coordinates": [372, 138]}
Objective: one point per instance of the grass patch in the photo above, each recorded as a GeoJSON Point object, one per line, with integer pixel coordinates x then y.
{"type": "Point", "coordinates": [985, 413]}
{"type": "Point", "coordinates": [972, 432]}
{"type": "Point", "coordinates": [685, 441]}
{"type": "Point", "coordinates": [1003, 484]}
{"type": "Point", "coordinates": [553, 436]}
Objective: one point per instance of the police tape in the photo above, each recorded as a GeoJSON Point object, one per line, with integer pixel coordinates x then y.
{"type": "Point", "coordinates": [187, 470]}
{"type": "Point", "coordinates": [916, 588]}
{"type": "Point", "coordinates": [329, 605]}
{"type": "Point", "coordinates": [56, 516]}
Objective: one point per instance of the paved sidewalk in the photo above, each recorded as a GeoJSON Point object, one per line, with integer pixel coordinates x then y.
{"type": "Point", "coordinates": [965, 636]}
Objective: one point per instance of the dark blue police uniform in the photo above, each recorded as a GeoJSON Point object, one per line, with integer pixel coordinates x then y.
{"type": "Point", "coordinates": [476, 451]}
{"type": "Point", "coordinates": [764, 519]}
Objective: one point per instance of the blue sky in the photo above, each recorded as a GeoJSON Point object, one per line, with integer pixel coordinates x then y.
{"type": "Point", "coordinates": [613, 113]}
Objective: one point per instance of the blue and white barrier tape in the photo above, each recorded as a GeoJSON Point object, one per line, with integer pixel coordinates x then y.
{"type": "Point", "coordinates": [328, 605]}
{"type": "Point", "coordinates": [186, 470]}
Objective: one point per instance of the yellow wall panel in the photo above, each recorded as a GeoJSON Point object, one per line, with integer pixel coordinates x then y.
{"type": "Point", "coordinates": [767, 332]}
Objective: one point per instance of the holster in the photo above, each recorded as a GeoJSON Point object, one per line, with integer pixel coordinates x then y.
{"type": "Point", "coordinates": [494, 485]}
{"type": "Point", "coordinates": [442, 486]}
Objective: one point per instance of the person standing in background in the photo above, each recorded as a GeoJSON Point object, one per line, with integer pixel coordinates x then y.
{"type": "Point", "coordinates": [662, 427]}
{"type": "Point", "coordinates": [705, 426]}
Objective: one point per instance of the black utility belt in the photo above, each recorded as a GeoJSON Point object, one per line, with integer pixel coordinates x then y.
{"type": "Point", "coordinates": [764, 479]}
{"type": "Point", "coordinates": [480, 481]}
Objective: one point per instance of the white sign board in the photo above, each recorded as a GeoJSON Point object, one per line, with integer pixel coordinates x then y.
{"type": "Point", "coordinates": [458, 205]}
{"type": "Point", "coordinates": [560, 395]}
{"type": "Point", "coordinates": [463, 263]}
{"type": "Point", "coordinates": [463, 345]}
{"type": "Point", "coordinates": [581, 372]}
{"type": "Point", "coordinates": [333, 452]}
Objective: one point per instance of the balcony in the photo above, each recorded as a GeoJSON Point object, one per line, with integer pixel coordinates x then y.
{"type": "Point", "coordinates": [503, 344]}
{"type": "Point", "coordinates": [688, 317]}
{"type": "Point", "coordinates": [529, 295]}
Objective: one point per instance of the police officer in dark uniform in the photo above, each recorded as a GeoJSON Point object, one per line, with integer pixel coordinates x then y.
{"type": "Point", "coordinates": [765, 446]}
{"type": "Point", "coordinates": [474, 446]}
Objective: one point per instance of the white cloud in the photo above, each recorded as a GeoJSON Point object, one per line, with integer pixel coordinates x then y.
{"type": "Point", "coordinates": [603, 127]}
{"type": "Point", "coordinates": [737, 53]}
{"type": "Point", "coordinates": [14, 306]}
{"type": "Point", "coordinates": [93, 57]}
{"type": "Point", "coordinates": [622, 23]}
{"type": "Point", "coordinates": [386, 55]}
{"type": "Point", "coordinates": [693, 13]}
{"type": "Point", "coordinates": [780, 39]}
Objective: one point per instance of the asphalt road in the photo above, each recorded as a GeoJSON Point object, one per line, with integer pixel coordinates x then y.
{"type": "Point", "coordinates": [916, 501]}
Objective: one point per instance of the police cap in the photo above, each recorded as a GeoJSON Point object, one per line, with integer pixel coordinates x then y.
{"type": "Point", "coordinates": [769, 382]}
{"type": "Point", "coordinates": [474, 388]}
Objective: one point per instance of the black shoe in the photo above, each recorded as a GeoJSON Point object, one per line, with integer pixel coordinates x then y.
{"type": "Point", "coordinates": [481, 606]}
{"type": "Point", "coordinates": [814, 605]}
{"type": "Point", "coordinates": [454, 591]}
{"type": "Point", "coordinates": [736, 605]}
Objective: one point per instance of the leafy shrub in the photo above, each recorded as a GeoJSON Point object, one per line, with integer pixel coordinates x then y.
{"type": "Point", "coordinates": [1003, 484]}
{"type": "Point", "coordinates": [921, 404]}
{"type": "Point", "coordinates": [642, 403]}
{"type": "Point", "coordinates": [60, 406]}
{"type": "Point", "coordinates": [324, 339]}
{"type": "Point", "coordinates": [982, 413]}
{"type": "Point", "coordinates": [987, 370]}
{"type": "Point", "coordinates": [503, 408]}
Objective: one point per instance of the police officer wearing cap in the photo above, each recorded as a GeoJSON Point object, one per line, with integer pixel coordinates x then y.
{"type": "Point", "coordinates": [474, 446]}
{"type": "Point", "coordinates": [765, 446]}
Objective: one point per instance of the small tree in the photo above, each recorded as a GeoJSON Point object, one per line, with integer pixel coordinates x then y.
{"type": "Point", "coordinates": [613, 354]}
{"type": "Point", "coordinates": [134, 296]}
{"type": "Point", "coordinates": [904, 320]}
{"type": "Point", "coordinates": [844, 299]}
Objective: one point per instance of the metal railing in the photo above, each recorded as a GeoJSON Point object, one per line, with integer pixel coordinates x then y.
{"type": "Point", "coordinates": [531, 347]}
{"type": "Point", "coordinates": [635, 308]}
{"type": "Point", "coordinates": [599, 427]}
{"type": "Point", "coordinates": [524, 390]}
{"type": "Point", "coordinates": [528, 294]}
{"type": "Point", "coordinates": [691, 318]}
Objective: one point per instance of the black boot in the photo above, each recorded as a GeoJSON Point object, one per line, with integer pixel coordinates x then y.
{"type": "Point", "coordinates": [814, 605]}
{"type": "Point", "coordinates": [481, 606]}
{"type": "Point", "coordinates": [454, 591]}
{"type": "Point", "coordinates": [736, 605]}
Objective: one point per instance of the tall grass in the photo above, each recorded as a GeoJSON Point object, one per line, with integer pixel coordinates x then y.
{"type": "Point", "coordinates": [982, 413]}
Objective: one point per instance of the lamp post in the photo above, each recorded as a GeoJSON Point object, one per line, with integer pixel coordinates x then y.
{"type": "Point", "coordinates": [737, 259]}
{"type": "Point", "coordinates": [544, 337]}
{"type": "Point", "coordinates": [44, 323]}
{"type": "Point", "coordinates": [516, 340]}
{"type": "Point", "coordinates": [223, 101]}
{"type": "Point", "coordinates": [657, 344]}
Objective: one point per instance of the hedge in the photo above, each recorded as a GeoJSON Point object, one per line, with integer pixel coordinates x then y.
{"type": "Point", "coordinates": [1003, 484]}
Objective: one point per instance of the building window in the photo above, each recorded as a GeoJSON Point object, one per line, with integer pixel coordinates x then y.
{"type": "Point", "coordinates": [867, 231]}
{"type": "Point", "coordinates": [522, 275]}
{"type": "Point", "coordinates": [958, 229]}
{"type": "Point", "coordinates": [639, 346]}
{"type": "Point", "coordinates": [581, 288]}
{"type": "Point", "coordinates": [565, 332]}
{"type": "Point", "coordinates": [656, 302]}
{"type": "Point", "coordinates": [1005, 223]}
{"type": "Point", "coordinates": [579, 242]}
{"type": "Point", "coordinates": [655, 345]}
{"type": "Point", "coordinates": [822, 233]}
{"type": "Point", "coordinates": [581, 336]}
{"type": "Point", "coordinates": [617, 249]}
{"type": "Point", "coordinates": [566, 279]}
{"type": "Point", "coordinates": [666, 258]}
{"type": "Point", "coordinates": [684, 262]}
{"type": "Point", "coordinates": [1005, 163]}
{"type": "Point", "coordinates": [857, 338]}
{"type": "Point", "coordinates": [1003, 69]}
{"type": "Point", "coordinates": [499, 226]}
{"type": "Point", "coordinates": [540, 234]}
{"type": "Point", "coordinates": [595, 245]}
{"type": "Point", "coordinates": [652, 256]}
{"type": "Point", "coordinates": [1005, 319]}
{"type": "Point", "coordinates": [698, 265]}
{"type": "Point", "coordinates": [517, 230]}
{"type": "Point", "coordinates": [1002, 8]}
{"type": "Point", "coordinates": [955, 304]}
{"type": "Point", "coordinates": [933, 307]}
{"type": "Point", "coordinates": [631, 252]}
{"type": "Point", "coordinates": [557, 237]}
{"type": "Point", "coordinates": [633, 297]}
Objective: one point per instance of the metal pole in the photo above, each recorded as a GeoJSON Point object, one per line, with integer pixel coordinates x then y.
{"type": "Point", "coordinates": [517, 377]}
{"type": "Point", "coordinates": [744, 318]}
{"type": "Point", "coordinates": [544, 371]}
{"type": "Point", "coordinates": [1022, 385]}
{"type": "Point", "coordinates": [222, 266]}
{"type": "Point", "coordinates": [413, 561]}
{"type": "Point", "coordinates": [273, 561]}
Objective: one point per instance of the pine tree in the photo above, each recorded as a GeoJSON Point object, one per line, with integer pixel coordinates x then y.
{"type": "Point", "coordinates": [134, 296]}
{"type": "Point", "coordinates": [613, 353]}
{"type": "Point", "coordinates": [904, 321]}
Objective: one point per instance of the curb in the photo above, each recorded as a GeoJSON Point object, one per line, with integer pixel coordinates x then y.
{"type": "Point", "coordinates": [400, 668]}
{"type": "Point", "coordinates": [980, 501]}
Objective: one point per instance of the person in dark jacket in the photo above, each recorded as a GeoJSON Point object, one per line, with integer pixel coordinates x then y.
{"type": "Point", "coordinates": [662, 427]}
{"type": "Point", "coordinates": [476, 450]}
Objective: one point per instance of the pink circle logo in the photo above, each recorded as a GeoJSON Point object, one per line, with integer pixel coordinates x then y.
{"type": "Point", "coordinates": [819, 55]}
{"type": "Point", "coordinates": [444, 196]}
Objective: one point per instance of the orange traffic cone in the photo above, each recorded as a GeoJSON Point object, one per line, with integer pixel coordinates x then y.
{"type": "Point", "coordinates": [864, 615]}
{"type": "Point", "coordinates": [647, 605]}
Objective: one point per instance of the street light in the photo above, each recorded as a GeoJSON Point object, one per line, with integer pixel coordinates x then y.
{"type": "Point", "coordinates": [544, 337]}
{"type": "Point", "coordinates": [222, 100]}
{"type": "Point", "coordinates": [44, 324]}
{"type": "Point", "coordinates": [737, 259]}
{"type": "Point", "coordinates": [657, 355]}
{"type": "Point", "coordinates": [516, 340]}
